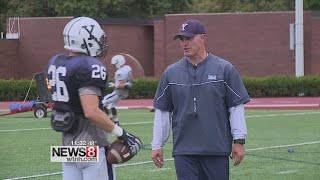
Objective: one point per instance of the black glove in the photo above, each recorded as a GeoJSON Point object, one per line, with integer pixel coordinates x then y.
{"type": "Point", "coordinates": [132, 141]}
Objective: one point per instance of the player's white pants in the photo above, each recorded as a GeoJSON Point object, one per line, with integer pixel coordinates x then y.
{"type": "Point", "coordinates": [110, 100]}
{"type": "Point", "coordinates": [88, 170]}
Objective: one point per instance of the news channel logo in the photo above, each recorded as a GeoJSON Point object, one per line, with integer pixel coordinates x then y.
{"type": "Point", "coordinates": [74, 153]}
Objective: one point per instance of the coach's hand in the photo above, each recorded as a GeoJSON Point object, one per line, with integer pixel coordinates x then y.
{"type": "Point", "coordinates": [157, 157]}
{"type": "Point", "coordinates": [237, 153]}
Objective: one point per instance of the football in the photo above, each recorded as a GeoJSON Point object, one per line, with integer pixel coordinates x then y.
{"type": "Point", "coordinates": [118, 152]}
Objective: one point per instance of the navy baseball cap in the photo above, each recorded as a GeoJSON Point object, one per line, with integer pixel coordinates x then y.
{"type": "Point", "coordinates": [190, 28]}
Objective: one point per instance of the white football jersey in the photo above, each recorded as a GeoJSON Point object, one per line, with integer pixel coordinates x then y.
{"type": "Point", "coordinates": [123, 73]}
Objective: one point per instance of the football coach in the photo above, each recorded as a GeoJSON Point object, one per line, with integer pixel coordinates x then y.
{"type": "Point", "coordinates": [203, 96]}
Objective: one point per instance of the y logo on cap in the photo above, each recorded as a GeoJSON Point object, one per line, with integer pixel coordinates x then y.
{"type": "Point", "coordinates": [183, 26]}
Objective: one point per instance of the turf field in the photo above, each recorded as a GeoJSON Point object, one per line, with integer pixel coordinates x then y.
{"type": "Point", "coordinates": [282, 145]}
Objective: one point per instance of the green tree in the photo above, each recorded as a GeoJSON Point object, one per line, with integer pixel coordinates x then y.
{"type": "Point", "coordinates": [3, 12]}
{"type": "Point", "coordinates": [250, 5]}
{"type": "Point", "coordinates": [241, 5]}
{"type": "Point", "coordinates": [141, 9]}
{"type": "Point", "coordinates": [95, 8]}
{"type": "Point", "coordinates": [312, 5]}
{"type": "Point", "coordinates": [30, 8]}
{"type": "Point", "coordinates": [146, 9]}
{"type": "Point", "coordinates": [92, 8]}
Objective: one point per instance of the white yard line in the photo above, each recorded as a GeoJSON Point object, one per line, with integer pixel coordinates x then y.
{"type": "Point", "coordinates": [137, 123]}
{"type": "Point", "coordinates": [22, 121]}
{"type": "Point", "coordinates": [159, 169]}
{"type": "Point", "coordinates": [18, 130]}
{"type": "Point", "coordinates": [133, 164]}
{"type": "Point", "coordinates": [286, 172]}
{"type": "Point", "coordinates": [149, 122]}
{"type": "Point", "coordinates": [285, 114]}
{"type": "Point", "coordinates": [282, 146]}
{"type": "Point", "coordinates": [282, 105]}
{"type": "Point", "coordinates": [35, 176]}
{"type": "Point", "coordinates": [35, 129]}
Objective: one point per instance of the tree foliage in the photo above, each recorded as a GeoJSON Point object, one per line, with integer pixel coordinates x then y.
{"type": "Point", "coordinates": [312, 5]}
{"type": "Point", "coordinates": [142, 9]}
{"type": "Point", "coordinates": [95, 8]}
{"type": "Point", "coordinates": [250, 5]}
{"type": "Point", "coordinates": [30, 8]}
{"type": "Point", "coordinates": [3, 11]}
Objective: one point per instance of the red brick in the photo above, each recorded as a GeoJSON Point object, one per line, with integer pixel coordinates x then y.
{"type": "Point", "coordinates": [256, 43]}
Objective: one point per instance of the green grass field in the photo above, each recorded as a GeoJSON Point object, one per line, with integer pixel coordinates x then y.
{"type": "Point", "coordinates": [25, 147]}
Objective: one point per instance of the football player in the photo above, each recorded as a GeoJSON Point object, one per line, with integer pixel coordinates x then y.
{"type": "Point", "coordinates": [77, 80]}
{"type": "Point", "coordinates": [122, 84]}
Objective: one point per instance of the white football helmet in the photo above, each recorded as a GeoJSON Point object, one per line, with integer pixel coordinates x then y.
{"type": "Point", "coordinates": [118, 61]}
{"type": "Point", "coordinates": [84, 34]}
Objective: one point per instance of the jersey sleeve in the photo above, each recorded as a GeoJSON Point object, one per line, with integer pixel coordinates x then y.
{"type": "Point", "coordinates": [161, 129]}
{"type": "Point", "coordinates": [236, 91]}
{"type": "Point", "coordinates": [163, 98]}
{"type": "Point", "coordinates": [91, 73]}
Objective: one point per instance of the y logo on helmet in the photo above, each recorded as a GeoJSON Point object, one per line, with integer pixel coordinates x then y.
{"type": "Point", "coordinates": [89, 31]}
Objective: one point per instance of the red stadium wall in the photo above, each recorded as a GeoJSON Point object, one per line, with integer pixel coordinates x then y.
{"type": "Point", "coordinates": [314, 64]}
{"type": "Point", "coordinates": [132, 39]}
{"type": "Point", "coordinates": [9, 59]}
{"type": "Point", "coordinates": [256, 43]}
{"type": "Point", "coordinates": [41, 38]}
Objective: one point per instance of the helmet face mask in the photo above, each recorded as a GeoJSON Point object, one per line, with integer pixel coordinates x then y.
{"type": "Point", "coordinates": [103, 46]}
{"type": "Point", "coordinates": [85, 35]}
{"type": "Point", "coordinates": [118, 61]}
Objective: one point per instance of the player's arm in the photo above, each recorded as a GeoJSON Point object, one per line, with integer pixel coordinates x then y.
{"type": "Point", "coordinates": [90, 104]}
{"type": "Point", "coordinates": [92, 111]}
{"type": "Point", "coordinates": [161, 129]}
{"type": "Point", "coordinates": [239, 132]}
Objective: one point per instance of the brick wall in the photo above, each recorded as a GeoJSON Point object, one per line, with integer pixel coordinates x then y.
{"type": "Point", "coordinates": [256, 43]}
{"type": "Point", "coordinates": [41, 38]}
{"type": "Point", "coordinates": [159, 47]}
{"type": "Point", "coordinates": [315, 45]}
{"type": "Point", "coordinates": [135, 40]}
{"type": "Point", "coordinates": [9, 59]}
